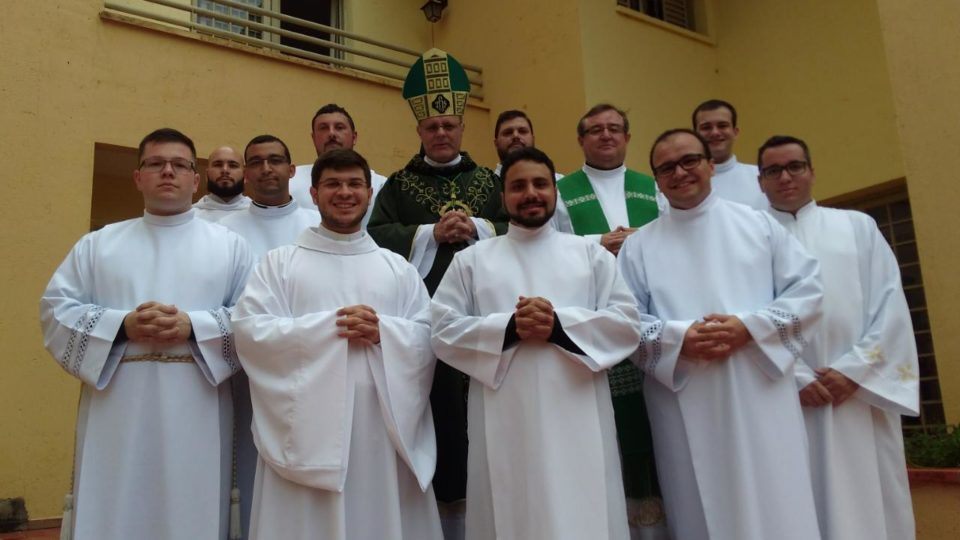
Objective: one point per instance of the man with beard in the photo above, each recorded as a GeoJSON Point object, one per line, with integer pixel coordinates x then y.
{"type": "Point", "coordinates": [273, 219]}
{"type": "Point", "coordinates": [224, 186]}
{"type": "Point", "coordinates": [513, 131]}
{"type": "Point", "coordinates": [334, 334]}
{"type": "Point", "coordinates": [606, 202]}
{"type": "Point", "coordinates": [716, 121]}
{"type": "Point", "coordinates": [437, 205]}
{"type": "Point", "coordinates": [536, 345]}
{"type": "Point", "coordinates": [332, 127]}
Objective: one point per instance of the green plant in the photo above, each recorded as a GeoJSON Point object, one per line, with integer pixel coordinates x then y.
{"type": "Point", "coordinates": [935, 447]}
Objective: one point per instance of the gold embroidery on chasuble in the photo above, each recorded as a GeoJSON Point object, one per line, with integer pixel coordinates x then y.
{"type": "Point", "coordinates": [449, 196]}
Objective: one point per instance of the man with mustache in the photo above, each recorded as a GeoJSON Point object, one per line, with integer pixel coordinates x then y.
{"type": "Point", "coordinates": [331, 127]}
{"type": "Point", "coordinates": [535, 318]}
{"type": "Point", "coordinates": [224, 186]}
{"type": "Point", "coordinates": [273, 219]}
{"type": "Point", "coordinates": [606, 202]}
{"type": "Point", "coordinates": [513, 131]}
{"type": "Point", "coordinates": [716, 121]}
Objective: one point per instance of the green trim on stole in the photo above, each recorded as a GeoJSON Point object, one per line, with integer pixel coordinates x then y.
{"type": "Point", "coordinates": [586, 214]}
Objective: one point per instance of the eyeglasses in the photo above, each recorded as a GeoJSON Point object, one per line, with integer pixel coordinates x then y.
{"type": "Point", "coordinates": [794, 168]}
{"type": "Point", "coordinates": [273, 161]}
{"type": "Point", "coordinates": [688, 162]}
{"type": "Point", "coordinates": [179, 165]}
{"type": "Point", "coordinates": [613, 129]}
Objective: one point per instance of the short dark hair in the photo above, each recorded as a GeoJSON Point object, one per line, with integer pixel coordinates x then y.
{"type": "Point", "coordinates": [331, 108]}
{"type": "Point", "coordinates": [712, 105]}
{"type": "Point", "coordinates": [601, 108]}
{"type": "Point", "coordinates": [670, 133]}
{"type": "Point", "coordinates": [528, 153]}
{"type": "Point", "coordinates": [338, 159]}
{"type": "Point", "coordinates": [506, 116]}
{"type": "Point", "coordinates": [263, 139]}
{"type": "Point", "coordinates": [166, 135]}
{"type": "Point", "coordinates": [780, 140]}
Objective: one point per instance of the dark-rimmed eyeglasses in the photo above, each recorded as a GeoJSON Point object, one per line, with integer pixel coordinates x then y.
{"type": "Point", "coordinates": [179, 165]}
{"type": "Point", "coordinates": [794, 168]}
{"type": "Point", "coordinates": [273, 161]}
{"type": "Point", "coordinates": [688, 162]}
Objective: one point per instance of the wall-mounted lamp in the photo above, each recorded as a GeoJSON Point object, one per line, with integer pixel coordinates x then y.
{"type": "Point", "coordinates": [433, 8]}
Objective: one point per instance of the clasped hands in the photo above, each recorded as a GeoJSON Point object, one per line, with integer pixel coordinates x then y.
{"type": "Point", "coordinates": [614, 239]}
{"type": "Point", "coordinates": [359, 322]}
{"type": "Point", "coordinates": [534, 318]}
{"type": "Point", "coordinates": [831, 386]}
{"type": "Point", "coordinates": [153, 322]}
{"type": "Point", "coordinates": [454, 227]}
{"type": "Point", "coordinates": [715, 337]}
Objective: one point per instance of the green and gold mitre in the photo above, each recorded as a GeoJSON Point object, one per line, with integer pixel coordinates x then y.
{"type": "Point", "coordinates": [436, 85]}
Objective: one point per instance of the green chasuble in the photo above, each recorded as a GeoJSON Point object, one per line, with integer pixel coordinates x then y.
{"type": "Point", "coordinates": [418, 195]}
{"type": "Point", "coordinates": [626, 381]}
{"type": "Point", "coordinates": [586, 214]}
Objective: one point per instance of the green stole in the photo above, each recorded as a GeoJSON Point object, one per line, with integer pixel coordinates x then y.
{"type": "Point", "coordinates": [586, 214]}
{"type": "Point", "coordinates": [626, 382]}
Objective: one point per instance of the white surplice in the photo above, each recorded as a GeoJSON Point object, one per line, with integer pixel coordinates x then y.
{"type": "Point", "coordinates": [543, 459]}
{"type": "Point", "coordinates": [153, 439]}
{"type": "Point", "coordinates": [212, 208]}
{"type": "Point", "coordinates": [856, 448]}
{"type": "Point", "coordinates": [269, 227]}
{"type": "Point", "coordinates": [344, 429]}
{"type": "Point", "coordinates": [738, 182]}
{"type": "Point", "coordinates": [264, 228]}
{"type": "Point", "coordinates": [728, 435]}
{"type": "Point", "coordinates": [301, 182]}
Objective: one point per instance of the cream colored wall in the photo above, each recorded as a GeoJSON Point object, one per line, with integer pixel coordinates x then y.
{"type": "Point", "coordinates": [816, 70]}
{"type": "Point", "coordinates": [923, 50]}
{"type": "Point", "coordinates": [657, 75]}
{"type": "Point", "coordinates": [70, 80]}
{"type": "Point", "coordinates": [531, 57]}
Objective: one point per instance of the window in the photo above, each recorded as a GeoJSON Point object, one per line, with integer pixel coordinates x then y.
{"type": "Point", "coordinates": [895, 220]}
{"type": "Point", "coordinates": [326, 12]}
{"type": "Point", "coordinates": [232, 12]}
{"type": "Point", "coordinates": [678, 12]}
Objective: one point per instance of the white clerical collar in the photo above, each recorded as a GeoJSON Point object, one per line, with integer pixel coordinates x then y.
{"type": "Point", "coordinates": [273, 212]}
{"type": "Point", "coordinates": [320, 238]}
{"type": "Point", "coordinates": [696, 211]}
{"type": "Point", "coordinates": [168, 221]}
{"type": "Point", "coordinates": [593, 172]}
{"type": "Point", "coordinates": [527, 234]}
{"type": "Point", "coordinates": [496, 171]}
{"type": "Point", "coordinates": [799, 214]}
{"type": "Point", "coordinates": [727, 165]}
{"type": "Point", "coordinates": [339, 237]}
{"type": "Point", "coordinates": [439, 165]}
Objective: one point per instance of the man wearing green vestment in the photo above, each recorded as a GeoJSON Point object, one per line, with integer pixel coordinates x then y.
{"type": "Point", "coordinates": [607, 202]}
{"type": "Point", "coordinates": [437, 205]}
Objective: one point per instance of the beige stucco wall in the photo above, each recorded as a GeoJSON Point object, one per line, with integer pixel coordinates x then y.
{"type": "Point", "coordinates": [70, 80]}
{"type": "Point", "coordinates": [923, 50]}
{"type": "Point", "coordinates": [816, 70]}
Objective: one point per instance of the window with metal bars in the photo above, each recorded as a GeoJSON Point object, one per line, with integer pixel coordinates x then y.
{"type": "Point", "coordinates": [678, 12]}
